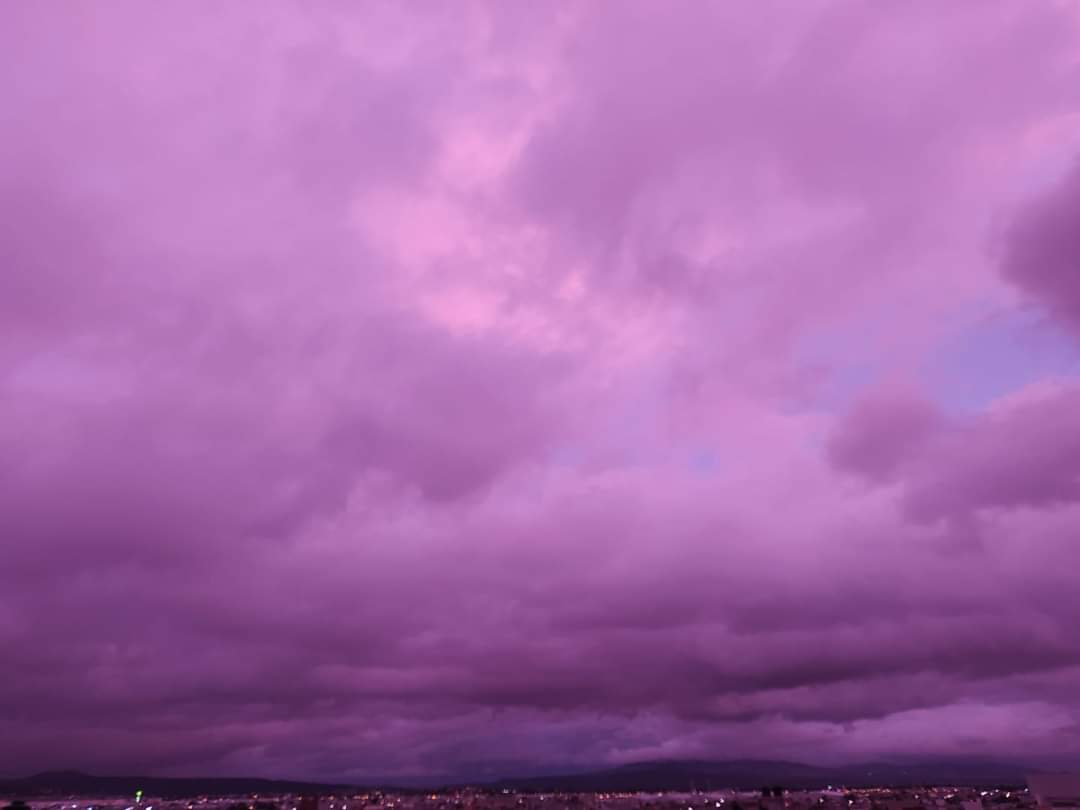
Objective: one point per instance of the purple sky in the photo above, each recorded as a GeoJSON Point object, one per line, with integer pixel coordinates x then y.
{"type": "Point", "coordinates": [425, 389]}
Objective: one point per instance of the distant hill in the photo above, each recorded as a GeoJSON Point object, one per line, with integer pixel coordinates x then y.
{"type": "Point", "coordinates": [674, 775]}
{"type": "Point", "coordinates": [685, 775]}
{"type": "Point", "coordinates": [78, 783]}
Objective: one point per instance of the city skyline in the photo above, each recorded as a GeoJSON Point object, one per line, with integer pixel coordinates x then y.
{"type": "Point", "coordinates": [417, 391]}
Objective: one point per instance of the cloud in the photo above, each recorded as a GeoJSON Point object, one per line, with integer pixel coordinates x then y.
{"type": "Point", "coordinates": [882, 432]}
{"type": "Point", "coordinates": [440, 395]}
{"type": "Point", "coordinates": [1042, 252]}
{"type": "Point", "coordinates": [1021, 453]}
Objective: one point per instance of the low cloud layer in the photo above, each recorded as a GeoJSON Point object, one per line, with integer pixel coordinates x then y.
{"type": "Point", "coordinates": [427, 393]}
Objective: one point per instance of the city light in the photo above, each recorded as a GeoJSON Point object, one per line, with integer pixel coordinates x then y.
{"type": "Point", "coordinates": [831, 798]}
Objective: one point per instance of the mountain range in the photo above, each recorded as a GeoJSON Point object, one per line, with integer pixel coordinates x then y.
{"type": "Point", "coordinates": [672, 775]}
{"type": "Point", "coordinates": [752, 774]}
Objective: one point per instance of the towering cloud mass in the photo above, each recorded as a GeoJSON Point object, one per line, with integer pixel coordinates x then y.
{"type": "Point", "coordinates": [425, 392]}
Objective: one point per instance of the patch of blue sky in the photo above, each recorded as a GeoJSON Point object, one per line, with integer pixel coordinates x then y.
{"type": "Point", "coordinates": [997, 355]}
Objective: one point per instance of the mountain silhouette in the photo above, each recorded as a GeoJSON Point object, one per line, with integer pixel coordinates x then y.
{"type": "Point", "coordinates": [665, 775]}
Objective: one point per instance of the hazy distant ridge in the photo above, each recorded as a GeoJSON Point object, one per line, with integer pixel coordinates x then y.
{"type": "Point", "coordinates": [705, 775]}
{"type": "Point", "coordinates": [643, 776]}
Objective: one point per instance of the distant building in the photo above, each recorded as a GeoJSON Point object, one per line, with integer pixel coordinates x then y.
{"type": "Point", "coordinates": [1060, 791]}
{"type": "Point", "coordinates": [308, 802]}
